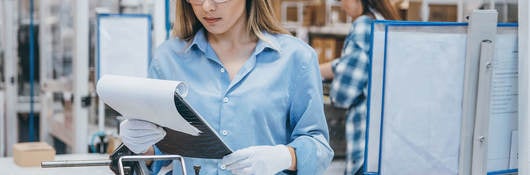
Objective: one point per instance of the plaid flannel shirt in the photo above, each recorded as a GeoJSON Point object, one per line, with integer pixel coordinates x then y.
{"type": "Point", "coordinates": [349, 89]}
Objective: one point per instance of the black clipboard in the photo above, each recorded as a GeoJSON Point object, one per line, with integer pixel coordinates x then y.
{"type": "Point", "coordinates": [206, 145]}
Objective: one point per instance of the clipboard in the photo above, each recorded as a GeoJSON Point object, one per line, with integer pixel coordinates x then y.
{"type": "Point", "coordinates": [206, 145]}
{"type": "Point", "coordinates": [161, 102]}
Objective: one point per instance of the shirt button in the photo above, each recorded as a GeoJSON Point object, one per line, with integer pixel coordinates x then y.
{"type": "Point", "coordinates": [224, 132]}
{"type": "Point", "coordinates": [225, 99]}
{"type": "Point", "coordinates": [222, 70]}
{"type": "Point", "coordinates": [223, 167]}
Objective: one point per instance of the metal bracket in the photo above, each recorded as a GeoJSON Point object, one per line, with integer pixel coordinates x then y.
{"type": "Point", "coordinates": [142, 159]}
{"type": "Point", "coordinates": [140, 169]}
{"type": "Point", "coordinates": [482, 31]}
{"type": "Point", "coordinates": [482, 111]}
{"type": "Point", "coordinates": [86, 101]}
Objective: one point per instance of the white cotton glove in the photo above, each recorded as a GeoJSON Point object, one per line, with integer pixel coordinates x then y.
{"type": "Point", "coordinates": [258, 160]}
{"type": "Point", "coordinates": [139, 135]}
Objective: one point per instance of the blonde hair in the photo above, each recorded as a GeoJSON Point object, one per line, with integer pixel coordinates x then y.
{"type": "Point", "coordinates": [260, 17]}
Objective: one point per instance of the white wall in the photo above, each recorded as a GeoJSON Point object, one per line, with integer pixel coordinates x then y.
{"type": "Point", "coordinates": [2, 119]}
{"type": "Point", "coordinates": [524, 79]}
{"type": "Point", "coordinates": [10, 70]}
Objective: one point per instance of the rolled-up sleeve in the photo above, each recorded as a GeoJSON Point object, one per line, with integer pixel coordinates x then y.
{"type": "Point", "coordinates": [310, 136]}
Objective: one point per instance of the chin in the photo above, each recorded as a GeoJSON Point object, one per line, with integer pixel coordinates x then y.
{"type": "Point", "coordinates": [215, 30]}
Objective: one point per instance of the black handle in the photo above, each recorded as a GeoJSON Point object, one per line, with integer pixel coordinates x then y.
{"type": "Point", "coordinates": [129, 167]}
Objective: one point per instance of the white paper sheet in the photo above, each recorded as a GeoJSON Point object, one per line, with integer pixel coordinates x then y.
{"type": "Point", "coordinates": [514, 150]}
{"type": "Point", "coordinates": [2, 124]}
{"type": "Point", "coordinates": [145, 99]}
{"type": "Point", "coordinates": [124, 39]}
{"type": "Point", "coordinates": [503, 104]}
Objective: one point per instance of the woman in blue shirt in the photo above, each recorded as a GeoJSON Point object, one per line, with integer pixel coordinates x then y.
{"type": "Point", "coordinates": [350, 74]}
{"type": "Point", "coordinates": [257, 86]}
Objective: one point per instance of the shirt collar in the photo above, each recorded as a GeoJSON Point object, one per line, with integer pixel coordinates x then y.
{"type": "Point", "coordinates": [199, 41]}
{"type": "Point", "coordinates": [268, 41]}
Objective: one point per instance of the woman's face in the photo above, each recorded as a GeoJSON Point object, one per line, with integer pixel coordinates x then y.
{"type": "Point", "coordinates": [219, 18]}
{"type": "Point", "coordinates": [353, 8]}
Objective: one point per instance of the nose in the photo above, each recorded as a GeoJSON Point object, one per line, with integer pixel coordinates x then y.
{"type": "Point", "coordinates": [208, 5]}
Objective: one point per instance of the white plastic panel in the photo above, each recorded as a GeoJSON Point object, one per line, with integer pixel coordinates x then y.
{"type": "Point", "coordinates": [423, 94]}
{"type": "Point", "coordinates": [124, 45]}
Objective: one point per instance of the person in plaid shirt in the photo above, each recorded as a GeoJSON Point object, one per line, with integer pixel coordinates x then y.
{"type": "Point", "coordinates": [350, 74]}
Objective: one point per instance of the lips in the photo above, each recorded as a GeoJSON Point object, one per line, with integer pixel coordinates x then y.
{"type": "Point", "coordinates": [211, 20]}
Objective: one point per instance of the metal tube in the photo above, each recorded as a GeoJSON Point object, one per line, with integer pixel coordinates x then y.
{"type": "Point", "coordinates": [75, 163]}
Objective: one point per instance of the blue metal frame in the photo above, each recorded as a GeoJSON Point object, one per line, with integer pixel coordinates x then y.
{"type": "Point", "coordinates": [370, 173]}
{"type": "Point", "coordinates": [508, 25]}
{"type": "Point", "coordinates": [503, 172]}
{"type": "Point", "coordinates": [149, 40]}
{"type": "Point", "coordinates": [369, 99]}
{"type": "Point", "coordinates": [382, 101]}
{"type": "Point", "coordinates": [168, 18]}
{"type": "Point", "coordinates": [388, 23]}
{"type": "Point", "coordinates": [368, 105]}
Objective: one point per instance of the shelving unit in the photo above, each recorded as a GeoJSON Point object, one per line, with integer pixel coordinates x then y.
{"type": "Point", "coordinates": [462, 9]}
{"type": "Point", "coordinates": [64, 73]}
{"type": "Point", "coordinates": [321, 23]}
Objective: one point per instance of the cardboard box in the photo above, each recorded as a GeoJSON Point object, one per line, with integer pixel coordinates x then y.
{"type": "Point", "coordinates": [337, 15]}
{"type": "Point", "coordinates": [443, 12]}
{"type": "Point", "coordinates": [316, 43]}
{"type": "Point", "coordinates": [319, 14]}
{"type": "Point", "coordinates": [414, 11]}
{"type": "Point", "coordinates": [437, 12]}
{"type": "Point", "coordinates": [339, 43]}
{"type": "Point", "coordinates": [307, 15]}
{"type": "Point", "coordinates": [330, 47]}
{"type": "Point", "coordinates": [276, 7]}
{"type": "Point", "coordinates": [327, 48]}
{"type": "Point", "coordinates": [292, 14]}
{"type": "Point", "coordinates": [32, 153]}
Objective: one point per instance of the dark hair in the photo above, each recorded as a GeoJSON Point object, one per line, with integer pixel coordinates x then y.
{"type": "Point", "coordinates": [382, 6]}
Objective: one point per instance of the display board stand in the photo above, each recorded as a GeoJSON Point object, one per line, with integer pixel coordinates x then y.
{"type": "Point", "coordinates": [433, 103]}
{"type": "Point", "coordinates": [475, 119]}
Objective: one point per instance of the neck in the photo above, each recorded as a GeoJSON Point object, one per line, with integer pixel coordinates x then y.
{"type": "Point", "coordinates": [237, 35]}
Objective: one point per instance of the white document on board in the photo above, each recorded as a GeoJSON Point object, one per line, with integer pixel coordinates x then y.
{"type": "Point", "coordinates": [145, 99]}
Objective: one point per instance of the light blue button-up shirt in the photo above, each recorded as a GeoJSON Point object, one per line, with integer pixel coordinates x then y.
{"type": "Point", "coordinates": [275, 98]}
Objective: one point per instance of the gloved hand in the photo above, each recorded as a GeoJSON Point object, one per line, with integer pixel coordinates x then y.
{"type": "Point", "coordinates": [257, 160]}
{"type": "Point", "coordinates": [139, 135]}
